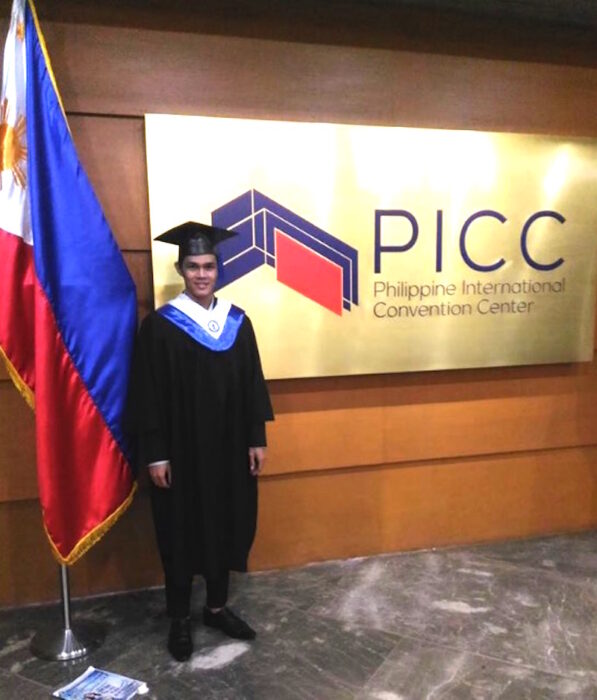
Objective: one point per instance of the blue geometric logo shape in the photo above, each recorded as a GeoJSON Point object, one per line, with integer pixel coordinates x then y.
{"type": "Point", "coordinates": [306, 258]}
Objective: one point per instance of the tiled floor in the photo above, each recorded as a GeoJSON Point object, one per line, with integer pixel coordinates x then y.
{"type": "Point", "coordinates": [515, 621]}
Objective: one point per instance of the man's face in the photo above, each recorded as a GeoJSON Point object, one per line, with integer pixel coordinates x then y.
{"type": "Point", "coordinates": [200, 274]}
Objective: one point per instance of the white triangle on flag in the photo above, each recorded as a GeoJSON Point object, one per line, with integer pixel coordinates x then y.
{"type": "Point", "coordinates": [14, 199]}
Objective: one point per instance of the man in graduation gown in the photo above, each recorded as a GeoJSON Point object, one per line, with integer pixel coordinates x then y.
{"type": "Point", "coordinates": [198, 404]}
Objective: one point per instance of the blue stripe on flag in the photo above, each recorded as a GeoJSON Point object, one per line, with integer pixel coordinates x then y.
{"type": "Point", "coordinates": [77, 260]}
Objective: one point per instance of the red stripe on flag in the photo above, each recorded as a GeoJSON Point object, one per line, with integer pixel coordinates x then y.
{"type": "Point", "coordinates": [17, 314]}
{"type": "Point", "coordinates": [308, 273]}
{"type": "Point", "coordinates": [83, 476]}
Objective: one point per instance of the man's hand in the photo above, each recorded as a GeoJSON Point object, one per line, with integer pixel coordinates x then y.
{"type": "Point", "coordinates": [256, 459]}
{"type": "Point", "coordinates": [160, 475]}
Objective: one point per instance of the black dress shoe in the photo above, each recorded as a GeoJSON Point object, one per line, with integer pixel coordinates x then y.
{"type": "Point", "coordinates": [180, 639]}
{"type": "Point", "coordinates": [228, 623]}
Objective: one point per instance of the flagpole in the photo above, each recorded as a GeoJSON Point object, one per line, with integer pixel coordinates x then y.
{"type": "Point", "coordinates": [72, 641]}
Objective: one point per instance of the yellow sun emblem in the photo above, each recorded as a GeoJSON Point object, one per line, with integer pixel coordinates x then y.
{"type": "Point", "coordinates": [13, 152]}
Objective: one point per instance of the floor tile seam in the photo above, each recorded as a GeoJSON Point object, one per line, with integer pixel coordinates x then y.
{"type": "Point", "coordinates": [548, 672]}
{"type": "Point", "coordinates": [577, 585]}
{"type": "Point", "coordinates": [500, 562]}
{"type": "Point", "coordinates": [337, 679]}
{"type": "Point", "coordinates": [359, 625]}
{"type": "Point", "coordinates": [44, 686]}
{"type": "Point", "coordinates": [495, 559]}
{"type": "Point", "coordinates": [78, 599]}
{"type": "Point", "coordinates": [476, 550]}
{"type": "Point", "coordinates": [407, 633]}
{"type": "Point", "coordinates": [548, 573]}
{"type": "Point", "coordinates": [334, 679]}
{"type": "Point", "coordinates": [286, 602]}
{"type": "Point", "coordinates": [392, 638]}
{"type": "Point", "coordinates": [421, 641]}
{"type": "Point", "coordinates": [190, 689]}
{"type": "Point", "coordinates": [443, 645]}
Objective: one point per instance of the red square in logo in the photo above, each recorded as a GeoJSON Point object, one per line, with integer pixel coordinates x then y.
{"type": "Point", "coordinates": [308, 273]}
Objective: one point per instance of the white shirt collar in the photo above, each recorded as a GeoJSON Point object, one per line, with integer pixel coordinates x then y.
{"type": "Point", "coordinates": [212, 320]}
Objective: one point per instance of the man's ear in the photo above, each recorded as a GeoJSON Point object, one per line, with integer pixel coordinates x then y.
{"type": "Point", "coordinates": [178, 268]}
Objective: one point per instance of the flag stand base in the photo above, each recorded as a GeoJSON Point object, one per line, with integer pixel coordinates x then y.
{"type": "Point", "coordinates": [67, 644]}
{"type": "Point", "coordinates": [70, 642]}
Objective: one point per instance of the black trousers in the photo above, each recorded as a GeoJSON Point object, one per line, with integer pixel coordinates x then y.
{"type": "Point", "coordinates": [178, 597]}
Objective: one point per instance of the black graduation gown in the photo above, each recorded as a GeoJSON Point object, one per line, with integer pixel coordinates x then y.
{"type": "Point", "coordinates": [201, 409]}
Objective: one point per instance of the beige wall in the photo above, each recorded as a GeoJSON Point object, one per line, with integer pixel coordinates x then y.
{"type": "Point", "coordinates": [357, 464]}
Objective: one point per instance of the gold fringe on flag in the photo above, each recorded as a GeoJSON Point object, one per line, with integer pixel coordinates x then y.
{"type": "Point", "coordinates": [92, 537]}
{"type": "Point", "coordinates": [18, 381]}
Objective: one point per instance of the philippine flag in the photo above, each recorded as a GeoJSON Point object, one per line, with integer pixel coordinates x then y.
{"type": "Point", "coordinates": [67, 302]}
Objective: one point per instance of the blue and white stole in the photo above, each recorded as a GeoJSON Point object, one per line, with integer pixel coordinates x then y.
{"type": "Point", "coordinates": [215, 328]}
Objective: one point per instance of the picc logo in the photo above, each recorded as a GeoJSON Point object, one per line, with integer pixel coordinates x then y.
{"type": "Point", "coordinates": [306, 258]}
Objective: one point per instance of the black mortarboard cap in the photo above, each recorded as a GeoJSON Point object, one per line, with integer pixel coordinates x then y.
{"type": "Point", "coordinates": [194, 238]}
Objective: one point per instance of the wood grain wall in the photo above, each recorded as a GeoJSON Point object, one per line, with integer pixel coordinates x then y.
{"type": "Point", "coordinates": [357, 465]}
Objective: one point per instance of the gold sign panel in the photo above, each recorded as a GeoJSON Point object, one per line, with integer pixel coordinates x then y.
{"type": "Point", "coordinates": [366, 249]}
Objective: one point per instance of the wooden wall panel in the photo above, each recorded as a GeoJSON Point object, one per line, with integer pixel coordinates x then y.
{"type": "Point", "coordinates": [435, 431]}
{"type": "Point", "coordinates": [125, 559]}
{"type": "Point", "coordinates": [556, 32]}
{"type": "Point", "coordinates": [28, 571]}
{"type": "Point", "coordinates": [18, 475]}
{"type": "Point", "coordinates": [138, 71]}
{"type": "Point", "coordinates": [393, 508]}
{"type": "Point", "coordinates": [139, 265]}
{"type": "Point", "coordinates": [344, 513]}
{"type": "Point", "coordinates": [319, 440]}
{"type": "Point", "coordinates": [113, 154]}
{"type": "Point", "coordinates": [325, 440]}
{"type": "Point", "coordinates": [328, 393]}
